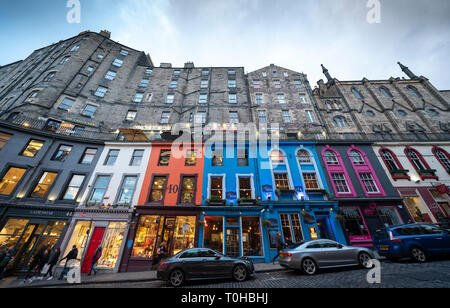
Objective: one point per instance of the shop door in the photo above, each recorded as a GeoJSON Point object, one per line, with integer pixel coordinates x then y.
{"type": "Point", "coordinates": [26, 246]}
{"type": "Point", "coordinates": [233, 242]}
{"type": "Point", "coordinates": [325, 229]}
{"type": "Point", "coordinates": [167, 235]}
{"type": "Point", "coordinates": [96, 240]}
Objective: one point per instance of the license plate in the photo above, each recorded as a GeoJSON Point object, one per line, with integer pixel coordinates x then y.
{"type": "Point", "coordinates": [384, 248]}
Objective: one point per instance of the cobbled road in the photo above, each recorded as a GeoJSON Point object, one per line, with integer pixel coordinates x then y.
{"type": "Point", "coordinates": [435, 274]}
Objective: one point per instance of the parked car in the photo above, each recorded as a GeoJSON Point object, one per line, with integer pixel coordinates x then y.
{"type": "Point", "coordinates": [203, 263]}
{"type": "Point", "coordinates": [313, 255]}
{"type": "Point", "coordinates": [418, 241]}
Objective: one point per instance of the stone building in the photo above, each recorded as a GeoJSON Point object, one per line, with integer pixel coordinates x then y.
{"type": "Point", "coordinates": [383, 109]}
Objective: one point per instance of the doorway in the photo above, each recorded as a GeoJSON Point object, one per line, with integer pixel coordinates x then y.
{"type": "Point", "coordinates": [325, 228]}
{"type": "Point", "coordinates": [166, 235]}
{"type": "Point", "coordinates": [96, 241]}
{"type": "Point", "coordinates": [233, 242]}
{"type": "Point", "coordinates": [26, 245]}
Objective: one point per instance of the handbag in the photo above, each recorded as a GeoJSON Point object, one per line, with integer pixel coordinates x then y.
{"type": "Point", "coordinates": [45, 269]}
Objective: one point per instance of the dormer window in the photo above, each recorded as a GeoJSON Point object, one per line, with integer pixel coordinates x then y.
{"type": "Point", "coordinates": [357, 94]}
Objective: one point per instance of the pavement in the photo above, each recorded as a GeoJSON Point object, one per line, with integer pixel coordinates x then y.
{"type": "Point", "coordinates": [108, 278]}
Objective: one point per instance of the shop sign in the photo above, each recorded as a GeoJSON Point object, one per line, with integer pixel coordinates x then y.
{"type": "Point", "coordinates": [231, 195]}
{"type": "Point", "coordinates": [80, 122]}
{"type": "Point", "coordinates": [299, 189]}
{"type": "Point", "coordinates": [360, 238]}
{"type": "Point", "coordinates": [267, 188]}
{"type": "Point", "coordinates": [443, 189]}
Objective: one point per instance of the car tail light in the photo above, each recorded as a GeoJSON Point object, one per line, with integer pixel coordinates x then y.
{"type": "Point", "coordinates": [393, 238]}
{"type": "Point", "coordinates": [286, 254]}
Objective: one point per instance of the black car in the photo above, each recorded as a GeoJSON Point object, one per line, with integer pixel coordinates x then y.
{"type": "Point", "coordinates": [203, 263]}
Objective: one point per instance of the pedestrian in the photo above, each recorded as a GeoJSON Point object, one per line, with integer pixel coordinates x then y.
{"type": "Point", "coordinates": [43, 263]}
{"type": "Point", "coordinates": [52, 262]}
{"type": "Point", "coordinates": [279, 244]}
{"type": "Point", "coordinates": [32, 269]}
{"type": "Point", "coordinates": [8, 257]}
{"type": "Point", "coordinates": [97, 255]}
{"type": "Point", "coordinates": [160, 254]}
{"type": "Point", "coordinates": [72, 255]}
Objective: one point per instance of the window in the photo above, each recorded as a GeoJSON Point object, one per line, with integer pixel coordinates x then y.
{"type": "Point", "coordinates": [433, 112]}
{"type": "Point", "coordinates": [32, 95]}
{"type": "Point", "coordinates": [100, 56]}
{"type": "Point", "coordinates": [231, 83]}
{"type": "Point", "coordinates": [110, 75]}
{"type": "Point", "coordinates": [310, 180]}
{"type": "Point", "coordinates": [390, 160]}
{"type": "Point", "coordinates": [370, 113]}
{"type": "Point", "coordinates": [170, 98]}
{"type": "Point", "coordinates": [402, 113]}
{"type": "Point", "coordinates": [176, 73]}
{"type": "Point", "coordinates": [217, 160]}
{"type": "Point", "coordinates": [281, 181]}
{"type": "Point", "coordinates": [232, 72]}
{"type": "Point", "coordinates": [127, 190]}
{"type": "Point", "coordinates": [4, 138]}
{"type": "Point", "coordinates": [291, 228]}
{"type": "Point", "coordinates": [75, 48]}
{"type": "Point", "coordinates": [138, 97]}
{"type": "Point", "coordinates": [165, 117]}
{"type": "Point", "coordinates": [234, 117]}
{"type": "Point", "coordinates": [204, 84]}
{"type": "Point", "coordinates": [264, 74]}
{"type": "Point", "coordinates": [310, 116]}
{"type": "Point", "coordinates": [148, 71]}
{"type": "Point", "coordinates": [90, 69]}
{"type": "Point", "coordinates": [137, 157]}
{"type": "Point", "coordinates": [203, 99]}
{"type": "Point", "coordinates": [356, 157]}
{"type": "Point", "coordinates": [386, 92]}
{"type": "Point", "coordinates": [369, 184]}
{"type": "Point", "coordinates": [191, 158]}
{"type": "Point", "coordinates": [205, 72]}
{"type": "Point", "coordinates": [173, 84]}
{"type": "Point", "coordinates": [286, 116]}
{"type": "Point", "coordinates": [67, 104]}
{"type": "Point", "coordinates": [262, 116]}
{"type": "Point", "coordinates": [89, 111]}
{"type": "Point", "coordinates": [73, 187]}
{"type": "Point", "coordinates": [357, 94]}
{"type": "Point", "coordinates": [251, 237]}
{"type": "Point", "coordinates": [164, 158]}
{"type": "Point", "coordinates": [158, 188]}
{"type": "Point", "coordinates": [131, 115]}
{"type": "Point", "coordinates": [111, 158]}
{"type": "Point", "coordinates": [259, 99]}
{"type": "Point", "coordinates": [414, 91]}
{"type": "Point", "coordinates": [298, 83]}
{"type": "Point", "coordinates": [416, 160]}
{"type": "Point", "coordinates": [275, 74]}
{"type": "Point", "coordinates": [32, 148]}
{"type": "Point", "coordinates": [64, 60]}
{"type": "Point", "coordinates": [123, 52]}
{"type": "Point", "coordinates": [62, 153]}
{"type": "Point", "coordinates": [49, 77]}
{"type": "Point", "coordinates": [389, 216]}
{"type": "Point", "coordinates": [441, 155]}
{"type": "Point", "coordinates": [277, 84]}
{"type": "Point", "coordinates": [257, 84]}
{"type": "Point", "coordinates": [10, 180]}
{"type": "Point", "coordinates": [101, 91]}
{"type": "Point", "coordinates": [286, 74]}
{"type": "Point", "coordinates": [303, 99]}
{"type": "Point", "coordinates": [330, 158]}
{"type": "Point", "coordinates": [245, 187]}
{"type": "Point", "coordinates": [117, 63]}
{"type": "Point", "coordinates": [354, 223]}
{"type": "Point", "coordinates": [200, 117]}
{"type": "Point", "coordinates": [340, 183]}
{"type": "Point", "coordinates": [146, 237]}
{"type": "Point", "coordinates": [101, 184]}
{"type": "Point", "coordinates": [232, 98]}
{"type": "Point", "coordinates": [42, 188]}
{"type": "Point", "coordinates": [88, 156]}
{"type": "Point", "coordinates": [213, 237]}
{"type": "Point", "coordinates": [281, 98]}
{"type": "Point", "coordinates": [216, 187]}
{"type": "Point", "coordinates": [144, 83]}
{"type": "Point", "coordinates": [187, 189]}
{"type": "Point", "coordinates": [303, 157]}
{"type": "Point", "coordinates": [340, 122]}
{"type": "Point", "coordinates": [242, 157]}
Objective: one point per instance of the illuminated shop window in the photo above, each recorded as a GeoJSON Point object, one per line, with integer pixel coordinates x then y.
{"type": "Point", "coordinates": [251, 237]}
{"type": "Point", "coordinates": [11, 232]}
{"type": "Point", "coordinates": [112, 242]}
{"type": "Point", "coordinates": [213, 234]}
{"type": "Point", "coordinates": [146, 235]}
{"type": "Point", "coordinates": [79, 238]}
{"type": "Point", "coordinates": [10, 180]}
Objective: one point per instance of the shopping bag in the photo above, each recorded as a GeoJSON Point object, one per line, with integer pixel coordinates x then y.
{"type": "Point", "coordinates": [45, 269]}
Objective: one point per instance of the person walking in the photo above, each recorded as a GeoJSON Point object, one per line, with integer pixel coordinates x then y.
{"type": "Point", "coordinates": [72, 255]}
{"type": "Point", "coordinates": [43, 262]}
{"type": "Point", "coordinates": [279, 244]}
{"type": "Point", "coordinates": [32, 269]}
{"type": "Point", "coordinates": [52, 262]}
{"type": "Point", "coordinates": [97, 255]}
{"type": "Point", "coordinates": [160, 254]}
{"type": "Point", "coordinates": [5, 261]}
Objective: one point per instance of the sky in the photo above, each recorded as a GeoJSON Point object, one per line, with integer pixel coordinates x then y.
{"type": "Point", "coordinates": [295, 34]}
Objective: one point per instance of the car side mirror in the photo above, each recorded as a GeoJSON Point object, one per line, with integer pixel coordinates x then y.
{"type": "Point", "coordinates": [218, 257]}
{"type": "Point", "coordinates": [341, 246]}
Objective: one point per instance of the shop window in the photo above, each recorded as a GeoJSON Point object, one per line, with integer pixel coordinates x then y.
{"type": "Point", "coordinates": [245, 187]}
{"type": "Point", "coordinates": [127, 190]}
{"type": "Point", "coordinates": [291, 228]}
{"type": "Point", "coordinates": [213, 234]}
{"type": "Point", "coordinates": [137, 157]}
{"type": "Point", "coordinates": [32, 148]}
{"type": "Point", "coordinates": [389, 216]}
{"type": "Point", "coordinates": [442, 156]}
{"type": "Point", "coordinates": [417, 210]}
{"type": "Point", "coordinates": [356, 157]}
{"type": "Point", "coordinates": [62, 153]}
{"type": "Point", "coordinates": [111, 158]}
{"type": "Point", "coordinates": [10, 180]}
{"type": "Point", "coordinates": [281, 181]}
{"type": "Point", "coordinates": [146, 236]}
{"type": "Point", "coordinates": [79, 238]}
{"type": "Point", "coordinates": [44, 185]}
{"type": "Point", "coordinates": [74, 187]}
{"type": "Point", "coordinates": [112, 242]}
{"type": "Point", "coordinates": [187, 190]}
{"type": "Point", "coordinates": [340, 182]}
{"type": "Point", "coordinates": [251, 237]}
{"type": "Point", "coordinates": [101, 184]}
{"type": "Point", "coordinates": [191, 158]}
{"type": "Point", "coordinates": [354, 224]}
{"type": "Point", "coordinates": [303, 157]}
{"type": "Point", "coordinates": [88, 156]}
{"type": "Point", "coordinates": [158, 189]}
{"type": "Point", "coordinates": [242, 159]}
{"type": "Point", "coordinates": [216, 191]}
{"type": "Point", "coordinates": [11, 232]}
{"type": "Point", "coordinates": [330, 158]}
{"type": "Point", "coordinates": [310, 180]}
{"type": "Point", "coordinates": [184, 234]}
{"type": "Point", "coordinates": [164, 158]}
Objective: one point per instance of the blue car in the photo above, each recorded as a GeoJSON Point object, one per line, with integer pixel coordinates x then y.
{"type": "Point", "coordinates": [417, 241]}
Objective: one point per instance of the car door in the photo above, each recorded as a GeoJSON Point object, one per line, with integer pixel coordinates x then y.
{"type": "Point", "coordinates": [318, 252]}
{"type": "Point", "coordinates": [191, 264]}
{"type": "Point", "coordinates": [435, 239]}
{"type": "Point", "coordinates": [216, 265]}
{"type": "Point", "coordinates": [338, 255]}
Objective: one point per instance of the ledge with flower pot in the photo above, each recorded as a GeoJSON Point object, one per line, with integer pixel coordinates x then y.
{"type": "Point", "coordinates": [247, 201]}
{"type": "Point", "coordinates": [215, 201]}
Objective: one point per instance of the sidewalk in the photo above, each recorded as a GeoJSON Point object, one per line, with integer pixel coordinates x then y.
{"type": "Point", "coordinates": [14, 282]}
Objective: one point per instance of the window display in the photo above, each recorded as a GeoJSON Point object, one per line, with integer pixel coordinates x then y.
{"type": "Point", "coordinates": [213, 234]}
{"type": "Point", "coordinates": [80, 236]}
{"type": "Point", "coordinates": [112, 242]}
{"type": "Point", "coordinates": [251, 237]}
{"type": "Point", "coordinates": [146, 236]}
{"type": "Point", "coordinates": [11, 232]}
{"type": "Point", "coordinates": [184, 235]}
{"type": "Point", "coordinates": [354, 223]}
{"type": "Point", "coordinates": [389, 216]}
{"type": "Point", "coordinates": [416, 209]}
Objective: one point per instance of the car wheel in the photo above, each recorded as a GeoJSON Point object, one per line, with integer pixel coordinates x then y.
{"type": "Point", "coordinates": [365, 260]}
{"type": "Point", "coordinates": [418, 255]}
{"type": "Point", "coordinates": [240, 273]}
{"type": "Point", "coordinates": [176, 278]}
{"type": "Point", "coordinates": [309, 266]}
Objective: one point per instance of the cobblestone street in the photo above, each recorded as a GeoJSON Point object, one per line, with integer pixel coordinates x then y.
{"type": "Point", "coordinates": [434, 274]}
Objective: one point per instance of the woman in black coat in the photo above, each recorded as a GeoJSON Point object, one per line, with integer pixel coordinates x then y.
{"type": "Point", "coordinates": [52, 262]}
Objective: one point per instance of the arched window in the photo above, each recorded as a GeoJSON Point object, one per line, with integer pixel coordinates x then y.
{"type": "Point", "coordinates": [33, 94]}
{"type": "Point", "coordinates": [340, 122]}
{"type": "Point", "coordinates": [357, 94]}
{"type": "Point", "coordinates": [356, 157]}
{"type": "Point", "coordinates": [303, 157]}
{"type": "Point", "coordinates": [330, 158]}
{"type": "Point", "coordinates": [386, 92]}
{"type": "Point", "coordinates": [443, 157]}
{"type": "Point", "coordinates": [414, 91]}
{"type": "Point", "coordinates": [49, 76]}
{"type": "Point", "coordinates": [416, 160]}
{"type": "Point", "coordinates": [276, 157]}
{"type": "Point", "coordinates": [419, 163]}
{"type": "Point", "coordinates": [390, 161]}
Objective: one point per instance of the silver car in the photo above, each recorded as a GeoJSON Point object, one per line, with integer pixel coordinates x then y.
{"type": "Point", "coordinates": [313, 255]}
